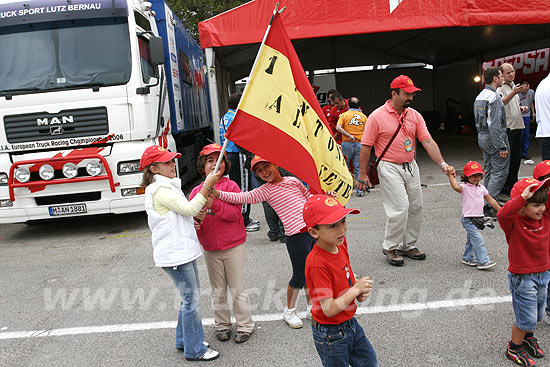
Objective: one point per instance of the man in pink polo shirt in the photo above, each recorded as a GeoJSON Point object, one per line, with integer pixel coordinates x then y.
{"type": "Point", "coordinates": [398, 171]}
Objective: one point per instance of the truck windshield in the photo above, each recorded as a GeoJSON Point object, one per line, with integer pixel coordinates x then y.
{"type": "Point", "coordinates": [64, 54]}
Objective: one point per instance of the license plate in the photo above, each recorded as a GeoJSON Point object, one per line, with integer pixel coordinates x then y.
{"type": "Point", "coordinates": [67, 209]}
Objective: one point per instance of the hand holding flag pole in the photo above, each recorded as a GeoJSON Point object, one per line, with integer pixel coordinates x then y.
{"type": "Point", "coordinates": [226, 141]}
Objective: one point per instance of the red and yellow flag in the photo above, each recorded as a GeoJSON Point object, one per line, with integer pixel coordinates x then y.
{"type": "Point", "coordinates": [280, 119]}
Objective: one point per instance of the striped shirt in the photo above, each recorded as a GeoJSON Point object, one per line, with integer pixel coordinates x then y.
{"type": "Point", "coordinates": [286, 197]}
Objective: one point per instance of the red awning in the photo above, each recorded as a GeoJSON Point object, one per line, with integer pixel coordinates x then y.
{"type": "Point", "coordinates": [331, 18]}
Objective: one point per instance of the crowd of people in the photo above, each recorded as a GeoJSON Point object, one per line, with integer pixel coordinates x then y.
{"type": "Point", "coordinates": [215, 218]}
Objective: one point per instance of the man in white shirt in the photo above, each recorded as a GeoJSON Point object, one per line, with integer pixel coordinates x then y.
{"type": "Point", "coordinates": [514, 121]}
{"type": "Point", "coordinates": [542, 101]}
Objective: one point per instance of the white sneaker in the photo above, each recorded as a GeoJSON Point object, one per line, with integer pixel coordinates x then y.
{"type": "Point", "coordinates": [290, 317]}
{"type": "Point", "coordinates": [210, 355]}
{"type": "Point", "coordinates": [486, 266]}
{"type": "Point", "coordinates": [309, 316]}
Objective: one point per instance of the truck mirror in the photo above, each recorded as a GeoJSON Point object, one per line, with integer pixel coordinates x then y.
{"type": "Point", "coordinates": [157, 51]}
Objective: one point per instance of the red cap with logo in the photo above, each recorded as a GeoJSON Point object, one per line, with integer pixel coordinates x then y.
{"type": "Point", "coordinates": [521, 185]}
{"type": "Point", "coordinates": [155, 154]}
{"type": "Point", "coordinates": [405, 83]}
{"type": "Point", "coordinates": [211, 148]}
{"type": "Point", "coordinates": [324, 209]}
{"type": "Point", "coordinates": [256, 159]}
{"type": "Point", "coordinates": [471, 168]}
{"type": "Point", "coordinates": [541, 169]}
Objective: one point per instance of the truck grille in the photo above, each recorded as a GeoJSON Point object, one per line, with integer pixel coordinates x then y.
{"type": "Point", "coordinates": [65, 124]}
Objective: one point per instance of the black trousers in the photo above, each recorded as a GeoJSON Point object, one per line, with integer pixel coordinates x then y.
{"type": "Point", "coordinates": [514, 138]}
{"type": "Point", "coordinates": [276, 229]}
{"type": "Point", "coordinates": [242, 177]}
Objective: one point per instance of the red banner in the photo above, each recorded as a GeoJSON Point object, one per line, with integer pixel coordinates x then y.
{"type": "Point", "coordinates": [280, 119]}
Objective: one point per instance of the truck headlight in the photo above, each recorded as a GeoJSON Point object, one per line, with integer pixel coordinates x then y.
{"type": "Point", "coordinates": [6, 203]}
{"type": "Point", "coordinates": [22, 174]}
{"type": "Point", "coordinates": [46, 172]}
{"type": "Point", "coordinates": [3, 178]}
{"type": "Point", "coordinates": [93, 168]}
{"type": "Point", "coordinates": [70, 170]}
{"type": "Point", "coordinates": [129, 167]}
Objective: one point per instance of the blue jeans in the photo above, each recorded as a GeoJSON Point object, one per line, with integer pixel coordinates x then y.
{"type": "Point", "coordinates": [475, 248]}
{"type": "Point", "coordinates": [528, 298]}
{"type": "Point", "coordinates": [344, 344]}
{"type": "Point", "coordinates": [525, 135]}
{"type": "Point", "coordinates": [189, 332]}
{"type": "Point", "coordinates": [351, 151]}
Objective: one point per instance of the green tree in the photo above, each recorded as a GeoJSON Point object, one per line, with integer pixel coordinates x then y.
{"type": "Point", "coordinates": [191, 12]}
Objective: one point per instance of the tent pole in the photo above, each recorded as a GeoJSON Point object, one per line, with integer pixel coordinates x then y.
{"type": "Point", "coordinates": [213, 91]}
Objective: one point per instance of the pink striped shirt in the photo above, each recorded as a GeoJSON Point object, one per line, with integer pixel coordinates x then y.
{"type": "Point", "coordinates": [286, 197]}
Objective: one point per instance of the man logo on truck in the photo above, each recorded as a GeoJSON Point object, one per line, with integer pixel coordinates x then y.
{"type": "Point", "coordinates": [56, 130]}
{"type": "Point", "coordinates": [55, 120]}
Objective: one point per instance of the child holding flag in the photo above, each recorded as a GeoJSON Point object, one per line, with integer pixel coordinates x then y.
{"type": "Point", "coordinates": [222, 234]}
{"type": "Point", "coordinates": [175, 244]}
{"type": "Point", "coordinates": [287, 196]}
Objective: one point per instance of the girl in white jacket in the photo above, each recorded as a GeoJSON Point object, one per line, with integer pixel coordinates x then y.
{"type": "Point", "coordinates": [175, 244]}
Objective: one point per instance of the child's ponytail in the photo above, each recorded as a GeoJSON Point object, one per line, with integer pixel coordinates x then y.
{"type": "Point", "coordinates": [147, 176]}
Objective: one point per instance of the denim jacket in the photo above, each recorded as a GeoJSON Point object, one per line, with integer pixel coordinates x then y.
{"type": "Point", "coordinates": [490, 117]}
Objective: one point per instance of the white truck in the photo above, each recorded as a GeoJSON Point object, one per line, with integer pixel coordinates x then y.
{"type": "Point", "coordinates": [85, 87]}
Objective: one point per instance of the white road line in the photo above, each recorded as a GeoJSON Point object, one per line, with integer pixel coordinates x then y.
{"type": "Point", "coordinates": [117, 328]}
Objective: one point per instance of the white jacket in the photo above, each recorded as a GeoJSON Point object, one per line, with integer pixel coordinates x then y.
{"type": "Point", "coordinates": [173, 237]}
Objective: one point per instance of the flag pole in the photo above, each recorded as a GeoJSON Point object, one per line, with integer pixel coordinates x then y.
{"type": "Point", "coordinates": [275, 11]}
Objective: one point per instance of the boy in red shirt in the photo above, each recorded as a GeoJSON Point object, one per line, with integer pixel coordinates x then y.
{"type": "Point", "coordinates": [525, 220]}
{"type": "Point", "coordinates": [339, 339]}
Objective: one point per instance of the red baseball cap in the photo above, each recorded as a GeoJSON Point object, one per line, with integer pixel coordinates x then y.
{"type": "Point", "coordinates": [154, 154]}
{"type": "Point", "coordinates": [541, 169]}
{"type": "Point", "coordinates": [405, 83]}
{"type": "Point", "coordinates": [521, 185]}
{"type": "Point", "coordinates": [211, 148]}
{"type": "Point", "coordinates": [471, 168]}
{"type": "Point", "coordinates": [256, 159]}
{"type": "Point", "coordinates": [324, 209]}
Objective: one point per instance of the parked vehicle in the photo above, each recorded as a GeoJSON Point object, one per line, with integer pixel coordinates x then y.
{"type": "Point", "coordinates": [84, 88]}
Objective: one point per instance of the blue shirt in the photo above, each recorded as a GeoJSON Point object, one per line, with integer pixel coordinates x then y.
{"type": "Point", "coordinates": [227, 119]}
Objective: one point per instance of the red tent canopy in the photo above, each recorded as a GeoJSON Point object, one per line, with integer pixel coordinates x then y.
{"type": "Point", "coordinates": [329, 18]}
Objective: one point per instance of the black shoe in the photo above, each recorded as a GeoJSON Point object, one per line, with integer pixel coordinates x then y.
{"type": "Point", "coordinates": [242, 336]}
{"type": "Point", "coordinates": [394, 257]}
{"type": "Point", "coordinates": [533, 347]}
{"type": "Point", "coordinates": [273, 239]}
{"type": "Point", "coordinates": [223, 335]}
{"type": "Point", "coordinates": [282, 239]}
{"type": "Point", "coordinates": [414, 254]}
{"type": "Point", "coordinates": [520, 356]}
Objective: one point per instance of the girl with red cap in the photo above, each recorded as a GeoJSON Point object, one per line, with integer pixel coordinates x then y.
{"type": "Point", "coordinates": [221, 232]}
{"type": "Point", "coordinates": [175, 243]}
{"type": "Point", "coordinates": [473, 196]}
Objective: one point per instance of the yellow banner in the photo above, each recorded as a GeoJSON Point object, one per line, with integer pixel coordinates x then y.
{"type": "Point", "coordinates": [272, 96]}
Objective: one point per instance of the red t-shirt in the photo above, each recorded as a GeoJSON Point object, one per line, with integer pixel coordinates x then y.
{"type": "Point", "coordinates": [335, 113]}
{"type": "Point", "coordinates": [326, 110]}
{"type": "Point", "coordinates": [528, 245]}
{"type": "Point", "coordinates": [329, 276]}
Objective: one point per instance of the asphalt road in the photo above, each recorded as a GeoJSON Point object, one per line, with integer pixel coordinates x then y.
{"type": "Point", "coordinates": [84, 291]}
